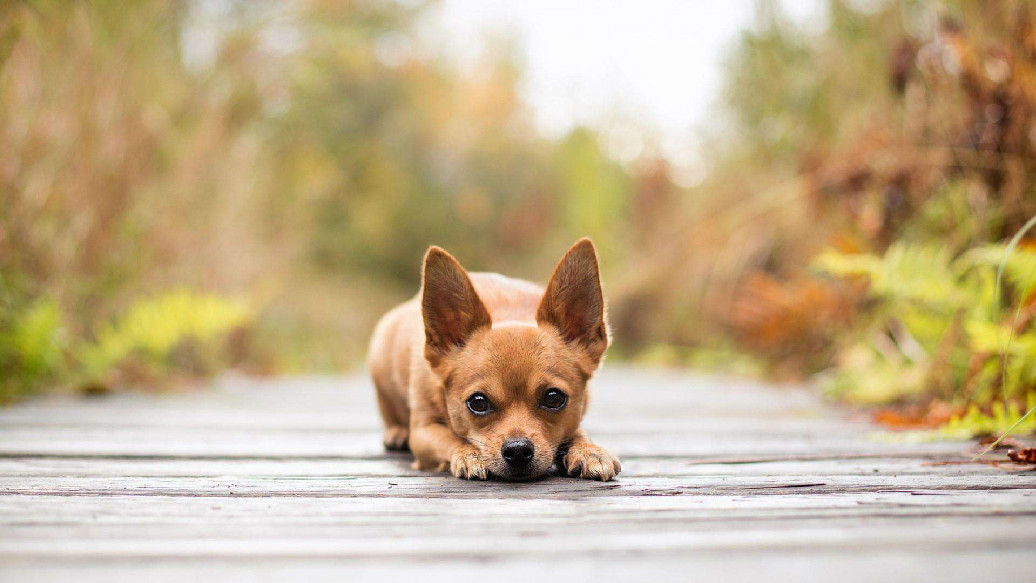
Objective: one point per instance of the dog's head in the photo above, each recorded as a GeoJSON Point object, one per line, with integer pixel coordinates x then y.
{"type": "Point", "coordinates": [516, 391]}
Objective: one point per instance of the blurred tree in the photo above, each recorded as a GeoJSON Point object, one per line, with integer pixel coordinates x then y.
{"type": "Point", "coordinates": [299, 153]}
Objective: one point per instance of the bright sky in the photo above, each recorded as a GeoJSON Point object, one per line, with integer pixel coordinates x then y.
{"type": "Point", "coordinates": [607, 63]}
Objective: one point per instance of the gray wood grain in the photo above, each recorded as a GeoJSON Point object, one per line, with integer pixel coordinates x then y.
{"type": "Point", "coordinates": [285, 479]}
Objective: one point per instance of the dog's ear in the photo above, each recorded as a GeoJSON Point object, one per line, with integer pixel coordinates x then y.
{"type": "Point", "coordinates": [452, 310]}
{"type": "Point", "coordinates": [574, 302]}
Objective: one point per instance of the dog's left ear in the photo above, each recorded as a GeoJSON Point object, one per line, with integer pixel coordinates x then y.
{"type": "Point", "coordinates": [574, 302]}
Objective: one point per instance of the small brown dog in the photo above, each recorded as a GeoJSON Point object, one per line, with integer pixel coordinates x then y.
{"type": "Point", "coordinates": [487, 376]}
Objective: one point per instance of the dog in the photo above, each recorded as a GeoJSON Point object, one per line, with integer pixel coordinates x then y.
{"type": "Point", "coordinates": [487, 376]}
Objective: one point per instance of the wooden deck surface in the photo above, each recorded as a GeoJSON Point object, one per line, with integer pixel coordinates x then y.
{"type": "Point", "coordinates": [278, 480]}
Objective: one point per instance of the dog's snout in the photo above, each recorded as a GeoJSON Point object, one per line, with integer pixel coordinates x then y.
{"type": "Point", "coordinates": [517, 452]}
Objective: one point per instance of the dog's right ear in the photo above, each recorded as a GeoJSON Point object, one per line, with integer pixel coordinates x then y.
{"type": "Point", "coordinates": [450, 306]}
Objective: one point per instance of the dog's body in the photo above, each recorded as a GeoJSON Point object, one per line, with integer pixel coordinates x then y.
{"type": "Point", "coordinates": [487, 375]}
{"type": "Point", "coordinates": [403, 379]}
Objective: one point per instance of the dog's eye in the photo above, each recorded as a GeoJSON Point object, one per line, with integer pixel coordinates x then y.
{"type": "Point", "coordinates": [553, 399]}
{"type": "Point", "coordinates": [478, 404]}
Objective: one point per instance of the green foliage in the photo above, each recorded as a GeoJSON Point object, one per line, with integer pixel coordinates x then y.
{"type": "Point", "coordinates": [916, 274]}
{"type": "Point", "coordinates": [1000, 419]}
{"type": "Point", "coordinates": [156, 336]}
{"type": "Point", "coordinates": [152, 328]}
{"type": "Point", "coordinates": [938, 332]}
{"type": "Point", "coordinates": [1019, 265]}
{"type": "Point", "coordinates": [37, 337]}
{"type": "Point", "coordinates": [32, 346]}
{"type": "Point", "coordinates": [871, 377]}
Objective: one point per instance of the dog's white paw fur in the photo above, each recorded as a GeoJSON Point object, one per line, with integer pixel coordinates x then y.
{"type": "Point", "coordinates": [592, 462]}
{"type": "Point", "coordinates": [466, 463]}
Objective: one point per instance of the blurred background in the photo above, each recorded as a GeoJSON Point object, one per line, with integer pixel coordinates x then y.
{"type": "Point", "coordinates": [832, 190]}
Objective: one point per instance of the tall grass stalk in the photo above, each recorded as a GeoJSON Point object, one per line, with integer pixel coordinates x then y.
{"type": "Point", "coordinates": [996, 290]}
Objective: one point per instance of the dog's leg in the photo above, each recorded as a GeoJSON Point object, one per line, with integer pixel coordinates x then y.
{"type": "Point", "coordinates": [589, 461]}
{"type": "Point", "coordinates": [397, 438]}
{"type": "Point", "coordinates": [396, 417]}
{"type": "Point", "coordinates": [437, 447]}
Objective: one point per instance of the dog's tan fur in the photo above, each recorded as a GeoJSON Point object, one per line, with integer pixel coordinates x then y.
{"type": "Point", "coordinates": [508, 339]}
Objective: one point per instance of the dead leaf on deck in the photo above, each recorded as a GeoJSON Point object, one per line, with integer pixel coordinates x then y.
{"type": "Point", "coordinates": [1023, 456]}
{"type": "Point", "coordinates": [923, 416]}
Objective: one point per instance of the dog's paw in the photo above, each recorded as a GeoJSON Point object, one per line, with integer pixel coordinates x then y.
{"type": "Point", "coordinates": [396, 438]}
{"type": "Point", "coordinates": [430, 466]}
{"type": "Point", "coordinates": [466, 463]}
{"type": "Point", "coordinates": [591, 462]}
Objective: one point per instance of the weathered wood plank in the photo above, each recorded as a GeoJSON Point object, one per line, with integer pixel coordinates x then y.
{"type": "Point", "coordinates": [458, 540]}
{"type": "Point", "coordinates": [843, 565]}
{"type": "Point", "coordinates": [434, 486]}
{"type": "Point", "coordinates": [399, 465]}
{"type": "Point", "coordinates": [372, 537]}
{"type": "Point", "coordinates": [511, 513]}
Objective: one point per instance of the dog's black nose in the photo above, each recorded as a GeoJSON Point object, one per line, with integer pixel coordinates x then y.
{"type": "Point", "coordinates": [517, 452]}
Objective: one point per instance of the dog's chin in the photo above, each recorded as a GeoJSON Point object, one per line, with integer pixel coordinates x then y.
{"type": "Point", "coordinates": [525, 475]}
{"type": "Point", "coordinates": [512, 476]}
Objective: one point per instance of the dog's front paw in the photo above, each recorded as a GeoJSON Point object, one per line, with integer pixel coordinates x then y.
{"type": "Point", "coordinates": [591, 462]}
{"type": "Point", "coordinates": [466, 463]}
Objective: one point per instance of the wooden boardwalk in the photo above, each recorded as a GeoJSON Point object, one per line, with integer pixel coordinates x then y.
{"type": "Point", "coordinates": [278, 480]}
